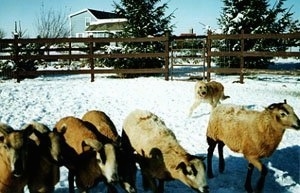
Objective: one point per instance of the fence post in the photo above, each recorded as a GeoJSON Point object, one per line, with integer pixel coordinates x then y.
{"type": "Point", "coordinates": [167, 44]}
{"type": "Point", "coordinates": [242, 58]}
{"type": "Point", "coordinates": [70, 52]}
{"type": "Point", "coordinates": [91, 58]}
{"type": "Point", "coordinates": [16, 57]}
{"type": "Point", "coordinates": [208, 50]}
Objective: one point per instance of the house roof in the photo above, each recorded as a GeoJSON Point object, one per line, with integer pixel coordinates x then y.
{"type": "Point", "coordinates": [97, 14]}
{"type": "Point", "coordinates": [110, 26]}
{"type": "Point", "coordinates": [103, 14]}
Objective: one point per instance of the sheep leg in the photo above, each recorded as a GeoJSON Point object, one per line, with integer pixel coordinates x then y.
{"type": "Point", "coordinates": [221, 157]}
{"type": "Point", "coordinates": [161, 184]}
{"type": "Point", "coordinates": [211, 147]}
{"type": "Point", "coordinates": [111, 188]}
{"type": "Point", "coordinates": [247, 185]}
{"type": "Point", "coordinates": [149, 183]}
{"type": "Point", "coordinates": [255, 162]}
{"type": "Point", "coordinates": [71, 182]}
{"type": "Point", "coordinates": [261, 181]}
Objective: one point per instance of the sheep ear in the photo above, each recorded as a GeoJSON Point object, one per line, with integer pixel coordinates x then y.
{"type": "Point", "coordinates": [28, 131]}
{"type": "Point", "coordinates": [93, 143]}
{"type": "Point", "coordinates": [5, 129]}
{"type": "Point", "coordinates": [271, 107]}
{"type": "Point", "coordinates": [62, 130]}
{"type": "Point", "coordinates": [155, 153]}
{"type": "Point", "coordinates": [1, 139]}
{"type": "Point", "coordinates": [182, 166]}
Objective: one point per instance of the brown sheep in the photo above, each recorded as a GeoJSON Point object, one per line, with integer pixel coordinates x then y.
{"type": "Point", "coordinates": [103, 124]}
{"type": "Point", "coordinates": [14, 158]}
{"type": "Point", "coordinates": [107, 128]}
{"type": "Point", "coordinates": [160, 156]}
{"type": "Point", "coordinates": [252, 133]}
{"type": "Point", "coordinates": [44, 171]}
{"type": "Point", "coordinates": [93, 158]}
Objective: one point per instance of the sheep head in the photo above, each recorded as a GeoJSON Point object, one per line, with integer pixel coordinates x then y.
{"type": "Point", "coordinates": [106, 158]}
{"type": "Point", "coordinates": [14, 148]}
{"type": "Point", "coordinates": [50, 142]}
{"type": "Point", "coordinates": [60, 150]}
{"type": "Point", "coordinates": [193, 173]}
{"type": "Point", "coordinates": [284, 115]}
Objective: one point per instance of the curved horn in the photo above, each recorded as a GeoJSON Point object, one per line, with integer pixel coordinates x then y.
{"type": "Point", "coordinates": [5, 129]}
{"type": "Point", "coordinates": [37, 127]}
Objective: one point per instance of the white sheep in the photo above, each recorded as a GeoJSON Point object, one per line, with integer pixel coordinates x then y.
{"type": "Point", "coordinates": [107, 128]}
{"type": "Point", "coordinates": [14, 158]}
{"type": "Point", "coordinates": [159, 154]}
{"type": "Point", "coordinates": [44, 171]}
{"type": "Point", "coordinates": [91, 158]}
{"type": "Point", "coordinates": [254, 134]}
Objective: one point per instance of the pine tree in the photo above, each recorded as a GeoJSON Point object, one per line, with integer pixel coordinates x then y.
{"type": "Point", "coordinates": [144, 18]}
{"type": "Point", "coordinates": [255, 17]}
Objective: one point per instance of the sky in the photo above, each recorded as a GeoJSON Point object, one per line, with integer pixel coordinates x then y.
{"type": "Point", "coordinates": [189, 14]}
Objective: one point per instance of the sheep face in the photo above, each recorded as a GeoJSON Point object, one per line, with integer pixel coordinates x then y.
{"type": "Point", "coordinates": [13, 146]}
{"type": "Point", "coordinates": [55, 144]}
{"type": "Point", "coordinates": [107, 162]}
{"type": "Point", "coordinates": [193, 174]}
{"type": "Point", "coordinates": [106, 159]}
{"type": "Point", "coordinates": [285, 115]}
{"type": "Point", "coordinates": [51, 141]}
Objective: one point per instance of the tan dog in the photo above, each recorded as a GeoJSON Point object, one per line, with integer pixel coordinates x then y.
{"type": "Point", "coordinates": [210, 92]}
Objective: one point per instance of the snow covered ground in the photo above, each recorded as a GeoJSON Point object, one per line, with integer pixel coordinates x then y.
{"type": "Point", "coordinates": [49, 98]}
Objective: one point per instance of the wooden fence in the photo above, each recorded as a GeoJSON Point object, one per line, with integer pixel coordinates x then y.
{"type": "Point", "coordinates": [187, 56]}
{"type": "Point", "coordinates": [87, 50]}
{"type": "Point", "coordinates": [71, 51]}
{"type": "Point", "coordinates": [243, 53]}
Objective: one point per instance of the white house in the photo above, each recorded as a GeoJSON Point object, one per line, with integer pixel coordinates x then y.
{"type": "Point", "coordinates": [97, 23]}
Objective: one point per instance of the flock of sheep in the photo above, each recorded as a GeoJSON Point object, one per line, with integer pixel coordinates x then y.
{"type": "Point", "coordinates": [93, 151]}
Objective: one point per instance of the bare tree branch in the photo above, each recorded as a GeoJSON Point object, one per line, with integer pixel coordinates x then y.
{"type": "Point", "coordinates": [2, 33]}
{"type": "Point", "coordinates": [52, 24]}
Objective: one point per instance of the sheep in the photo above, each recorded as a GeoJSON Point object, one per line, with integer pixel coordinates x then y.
{"type": "Point", "coordinates": [105, 126]}
{"type": "Point", "coordinates": [44, 171]}
{"type": "Point", "coordinates": [159, 154]}
{"type": "Point", "coordinates": [14, 158]}
{"type": "Point", "coordinates": [255, 134]}
{"type": "Point", "coordinates": [89, 167]}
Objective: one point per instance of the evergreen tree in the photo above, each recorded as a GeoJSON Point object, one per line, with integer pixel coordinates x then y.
{"type": "Point", "coordinates": [255, 17]}
{"type": "Point", "coordinates": [144, 18]}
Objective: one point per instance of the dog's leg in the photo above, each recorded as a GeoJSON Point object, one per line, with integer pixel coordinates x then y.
{"type": "Point", "coordinates": [194, 106]}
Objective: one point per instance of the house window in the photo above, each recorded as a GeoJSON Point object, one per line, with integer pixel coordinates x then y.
{"type": "Point", "coordinates": [87, 21]}
{"type": "Point", "coordinates": [79, 35]}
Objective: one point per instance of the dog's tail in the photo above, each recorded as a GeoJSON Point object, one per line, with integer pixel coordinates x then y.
{"type": "Point", "coordinates": [225, 97]}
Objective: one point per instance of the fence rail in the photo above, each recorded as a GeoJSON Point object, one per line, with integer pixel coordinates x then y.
{"type": "Point", "coordinates": [69, 49]}
{"type": "Point", "coordinates": [244, 53]}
